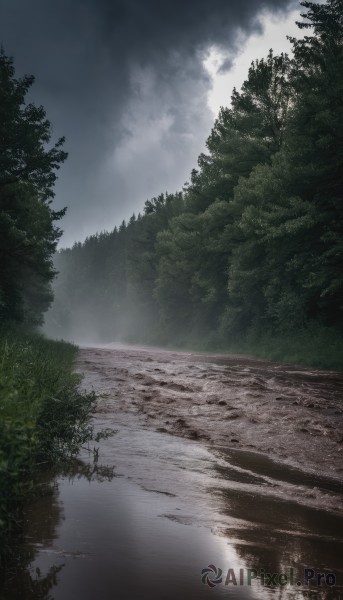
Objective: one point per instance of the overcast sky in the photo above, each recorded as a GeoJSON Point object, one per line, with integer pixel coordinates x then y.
{"type": "Point", "coordinates": [134, 86]}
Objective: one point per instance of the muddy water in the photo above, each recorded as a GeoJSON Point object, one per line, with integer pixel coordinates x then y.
{"type": "Point", "coordinates": [172, 494]}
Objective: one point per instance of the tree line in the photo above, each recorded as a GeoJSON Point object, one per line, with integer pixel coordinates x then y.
{"type": "Point", "coordinates": [28, 233]}
{"type": "Point", "coordinates": [44, 417]}
{"type": "Point", "coordinates": [252, 246]}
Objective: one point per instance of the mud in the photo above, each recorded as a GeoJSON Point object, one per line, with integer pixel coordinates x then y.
{"type": "Point", "coordinates": [290, 414]}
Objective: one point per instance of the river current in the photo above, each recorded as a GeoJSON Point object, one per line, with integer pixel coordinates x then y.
{"type": "Point", "coordinates": [218, 481]}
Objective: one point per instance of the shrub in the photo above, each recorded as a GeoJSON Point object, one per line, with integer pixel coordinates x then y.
{"type": "Point", "coordinates": [44, 418]}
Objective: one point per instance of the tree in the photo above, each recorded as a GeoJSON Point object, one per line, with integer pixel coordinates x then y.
{"type": "Point", "coordinates": [27, 177]}
{"type": "Point", "coordinates": [287, 270]}
{"type": "Point", "coordinates": [253, 247]}
{"type": "Point", "coordinates": [200, 242]}
{"type": "Point", "coordinates": [244, 135]}
{"type": "Point", "coordinates": [315, 146]}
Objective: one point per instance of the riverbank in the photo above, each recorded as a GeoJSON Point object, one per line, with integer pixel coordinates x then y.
{"type": "Point", "coordinates": [155, 506]}
{"type": "Point", "coordinates": [314, 346]}
{"type": "Point", "coordinates": [173, 492]}
{"type": "Point", "coordinates": [43, 417]}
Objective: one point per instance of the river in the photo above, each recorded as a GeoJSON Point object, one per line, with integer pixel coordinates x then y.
{"type": "Point", "coordinates": [222, 478]}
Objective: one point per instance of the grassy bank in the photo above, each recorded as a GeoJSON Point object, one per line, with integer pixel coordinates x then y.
{"type": "Point", "coordinates": [320, 348]}
{"type": "Point", "coordinates": [313, 346]}
{"type": "Point", "coordinates": [43, 416]}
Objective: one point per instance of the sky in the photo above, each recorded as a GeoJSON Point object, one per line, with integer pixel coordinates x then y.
{"type": "Point", "coordinates": [134, 86]}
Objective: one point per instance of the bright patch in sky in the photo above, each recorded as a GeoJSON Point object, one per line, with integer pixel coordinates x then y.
{"type": "Point", "coordinates": [274, 35]}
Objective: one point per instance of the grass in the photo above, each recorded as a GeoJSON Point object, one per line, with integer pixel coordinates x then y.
{"type": "Point", "coordinates": [315, 345]}
{"type": "Point", "coordinates": [44, 418]}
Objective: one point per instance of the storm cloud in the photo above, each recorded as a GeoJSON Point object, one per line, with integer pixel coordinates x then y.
{"type": "Point", "coordinates": [124, 81]}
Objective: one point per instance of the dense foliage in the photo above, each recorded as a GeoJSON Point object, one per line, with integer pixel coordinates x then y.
{"type": "Point", "coordinates": [252, 249]}
{"type": "Point", "coordinates": [28, 235]}
{"type": "Point", "coordinates": [44, 416]}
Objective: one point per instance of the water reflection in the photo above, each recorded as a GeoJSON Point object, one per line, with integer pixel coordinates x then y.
{"type": "Point", "coordinates": [176, 508]}
{"type": "Point", "coordinates": [276, 535]}
{"type": "Point", "coordinates": [29, 576]}
{"type": "Point", "coordinates": [41, 519]}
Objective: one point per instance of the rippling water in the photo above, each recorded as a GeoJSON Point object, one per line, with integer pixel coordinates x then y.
{"type": "Point", "coordinates": [158, 508]}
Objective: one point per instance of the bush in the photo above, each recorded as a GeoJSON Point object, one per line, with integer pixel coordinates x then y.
{"type": "Point", "coordinates": [44, 418]}
{"type": "Point", "coordinates": [314, 346]}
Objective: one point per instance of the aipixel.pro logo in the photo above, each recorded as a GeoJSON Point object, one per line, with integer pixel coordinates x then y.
{"type": "Point", "coordinates": [211, 576]}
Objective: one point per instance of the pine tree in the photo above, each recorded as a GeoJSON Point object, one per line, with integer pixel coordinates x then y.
{"type": "Point", "coordinates": [27, 176]}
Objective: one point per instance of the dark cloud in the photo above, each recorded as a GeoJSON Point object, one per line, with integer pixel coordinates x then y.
{"type": "Point", "coordinates": [124, 81]}
{"type": "Point", "coordinates": [226, 65]}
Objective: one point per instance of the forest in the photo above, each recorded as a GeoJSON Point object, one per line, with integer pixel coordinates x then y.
{"type": "Point", "coordinates": [246, 258]}
{"type": "Point", "coordinates": [44, 416]}
{"type": "Point", "coordinates": [249, 255]}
